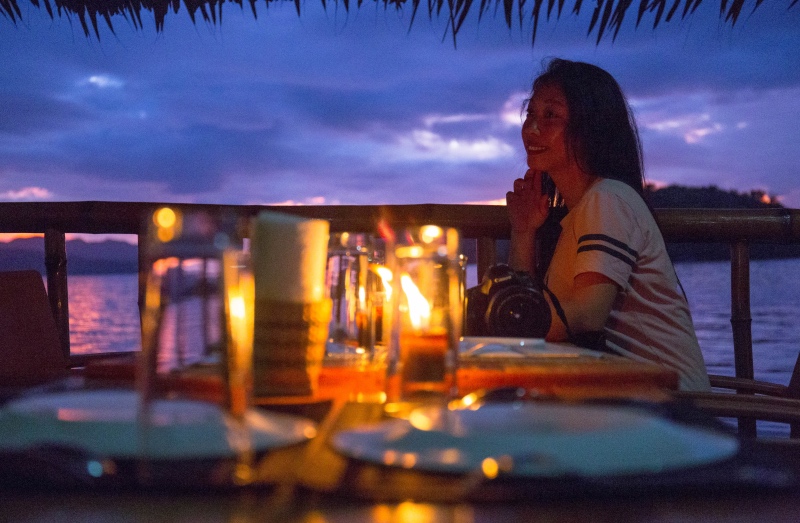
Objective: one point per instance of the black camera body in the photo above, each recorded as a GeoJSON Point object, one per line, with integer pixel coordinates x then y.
{"type": "Point", "coordinates": [507, 303]}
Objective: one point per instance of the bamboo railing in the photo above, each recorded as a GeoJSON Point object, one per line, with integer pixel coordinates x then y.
{"type": "Point", "coordinates": [483, 223]}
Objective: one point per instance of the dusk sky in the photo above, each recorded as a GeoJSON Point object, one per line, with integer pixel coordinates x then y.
{"type": "Point", "coordinates": [353, 108]}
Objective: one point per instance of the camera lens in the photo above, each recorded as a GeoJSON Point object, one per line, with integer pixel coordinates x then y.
{"type": "Point", "coordinates": [519, 312]}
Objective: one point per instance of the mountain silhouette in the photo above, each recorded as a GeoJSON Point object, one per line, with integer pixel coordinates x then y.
{"type": "Point", "coordinates": [107, 257]}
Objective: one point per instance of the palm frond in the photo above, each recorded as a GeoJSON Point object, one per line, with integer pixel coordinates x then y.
{"type": "Point", "coordinates": [607, 17]}
{"type": "Point", "coordinates": [10, 9]}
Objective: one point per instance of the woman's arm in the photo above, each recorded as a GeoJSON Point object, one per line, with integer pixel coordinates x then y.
{"type": "Point", "coordinates": [586, 307]}
{"type": "Point", "coordinates": [521, 256]}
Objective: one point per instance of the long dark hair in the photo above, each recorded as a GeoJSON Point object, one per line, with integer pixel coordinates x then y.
{"type": "Point", "coordinates": [601, 133]}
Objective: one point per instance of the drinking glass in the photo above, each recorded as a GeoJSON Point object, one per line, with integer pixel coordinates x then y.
{"type": "Point", "coordinates": [354, 364]}
{"type": "Point", "coordinates": [197, 333]}
{"type": "Point", "coordinates": [427, 308]}
{"type": "Point", "coordinates": [349, 284]}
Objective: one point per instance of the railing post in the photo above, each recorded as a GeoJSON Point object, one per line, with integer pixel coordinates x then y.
{"type": "Point", "coordinates": [487, 255]}
{"type": "Point", "coordinates": [143, 271]}
{"type": "Point", "coordinates": [741, 322]}
{"type": "Point", "coordinates": [740, 310]}
{"type": "Point", "coordinates": [55, 261]}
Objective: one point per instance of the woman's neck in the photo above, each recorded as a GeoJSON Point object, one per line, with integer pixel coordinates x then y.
{"type": "Point", "coordinates": [575, 186]}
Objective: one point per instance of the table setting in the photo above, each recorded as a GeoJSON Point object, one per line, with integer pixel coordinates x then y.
{"type": "Point", "coordinates": [344, 372]}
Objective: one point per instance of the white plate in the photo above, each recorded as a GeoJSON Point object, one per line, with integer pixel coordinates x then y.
{"type": "Point", "coordinates": [538, 440]}
{"type": "Point", "coordinates": [472, 346]}
{"type": "Point", "coordinates": [104, 422]}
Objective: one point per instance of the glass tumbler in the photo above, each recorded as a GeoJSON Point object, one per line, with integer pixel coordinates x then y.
{"type": "Point", "coordinates": [352, 366]}
{"type": "Point", "coordinates": [427, 309]}
{"type": "Point", "coordinates": [349, 286]}
{"type": "Point", "coordinates": [197, 331]}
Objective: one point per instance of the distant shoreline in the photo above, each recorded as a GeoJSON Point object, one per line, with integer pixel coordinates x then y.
{"type": "Point", "coordinates": [118, 257]}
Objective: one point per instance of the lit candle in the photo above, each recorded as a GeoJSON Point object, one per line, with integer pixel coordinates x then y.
{"type": "Point", "coordinates": [240, 296]}
{"type": "Point", "coordinates": [424, 359]}
{"type": "Point", "coordinates": [423, 347]}
{"type": "Point", "coordinates": [423, 314]}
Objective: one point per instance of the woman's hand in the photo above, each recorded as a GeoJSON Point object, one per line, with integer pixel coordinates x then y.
{"type": "Point", "coordinates": [527, 206]}
{"type": "Point", "coordinates": [527, 211]}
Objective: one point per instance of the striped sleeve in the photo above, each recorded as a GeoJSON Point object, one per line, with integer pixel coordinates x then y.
{"type": "Point", "coordinates": [604, 243]}
{"type": "Point", "coordinates": [609, 240]}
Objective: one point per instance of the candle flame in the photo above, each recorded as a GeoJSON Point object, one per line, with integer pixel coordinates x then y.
{"type": "Point", "coordinates": [386, 279]}
{"type": "Point", "coordinates": [430, 233]}
{"type": "Point", "coordinates": [237, 307]}
{"type": "Point", "coordinates": [419, 310]}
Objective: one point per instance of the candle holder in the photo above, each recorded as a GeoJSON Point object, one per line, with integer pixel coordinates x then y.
{"type": "Point", "coordinates": [427, 308]}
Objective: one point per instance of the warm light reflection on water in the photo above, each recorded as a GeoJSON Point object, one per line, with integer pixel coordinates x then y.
{"type": "Point", "coordinates": [103, 314]}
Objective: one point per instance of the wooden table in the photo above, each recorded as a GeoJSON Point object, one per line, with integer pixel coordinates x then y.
{"type": "Point", "coordinates": [569, 376]}
{"type": "Point", "coordinates": [314, 484]}
{"type": "Point", "coordinates": [703, 507]}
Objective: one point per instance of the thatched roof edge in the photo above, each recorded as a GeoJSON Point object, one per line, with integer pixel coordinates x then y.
{"type": "Point", "coordinates": [607, 15]}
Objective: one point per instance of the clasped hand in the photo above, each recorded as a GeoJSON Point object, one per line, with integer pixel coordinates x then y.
{"type": "Point", "coordinates": [527, 206]}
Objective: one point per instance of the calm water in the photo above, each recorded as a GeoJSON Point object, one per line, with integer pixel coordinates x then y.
{"type": "Point", "coordinates": [775, 311]}
{"type": "Point", "coordinates": [104, 316]}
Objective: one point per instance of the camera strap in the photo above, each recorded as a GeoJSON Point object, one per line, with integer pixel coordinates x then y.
{"type": "Point", "coordinates": [559, 309]}
{"type": "Point", "coordinates": [595, 340]}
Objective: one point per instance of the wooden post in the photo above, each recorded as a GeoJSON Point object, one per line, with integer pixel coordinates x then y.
{"type": "Point", "coordinates": [740, 309]}
{"type": "Point", "coordinates": [741, 322]}
{"type": "Point", "coordinates": [487, 255]}
{"type": "Point", "coordinates": [144, 267]}
{"type": "Point", "coordinates": [55, 261]}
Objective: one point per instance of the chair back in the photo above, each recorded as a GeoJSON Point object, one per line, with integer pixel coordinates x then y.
{"type": "Point", "coordinates": [30, 352]}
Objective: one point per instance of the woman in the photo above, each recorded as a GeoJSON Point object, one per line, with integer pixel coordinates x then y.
{"type": "Point", "coordinates": [610, 272]}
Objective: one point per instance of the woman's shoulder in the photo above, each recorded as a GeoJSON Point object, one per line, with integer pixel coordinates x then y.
{"type": "Point", "coordinates": [613, 202]}
{"type": "Point", "coordinates": [611, 186]}
{"type": "Point", "coordinates": [607, 190]}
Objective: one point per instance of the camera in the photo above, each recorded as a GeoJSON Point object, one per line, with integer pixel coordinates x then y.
{"type": "Point", "coordinates": [507, 303]}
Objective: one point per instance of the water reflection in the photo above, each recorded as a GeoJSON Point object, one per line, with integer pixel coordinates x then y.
{"type": "Point", "coordinates": [103, 314]}
{"type": "Point", "coordinates": [775, 313]}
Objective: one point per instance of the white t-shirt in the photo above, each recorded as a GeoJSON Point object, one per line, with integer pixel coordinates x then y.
{"type": "Point", "coordinates": [612, 232]}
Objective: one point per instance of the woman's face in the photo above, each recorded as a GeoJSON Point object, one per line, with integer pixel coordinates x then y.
{"type": "Point", "coordinates": [544, 130]}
